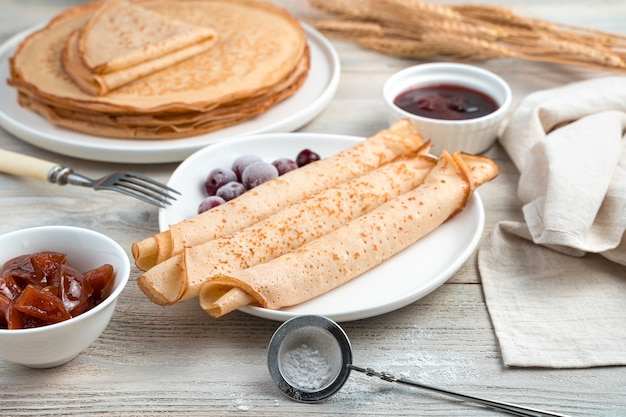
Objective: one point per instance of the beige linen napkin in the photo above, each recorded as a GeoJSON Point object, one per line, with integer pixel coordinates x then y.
{"type": "Point", "coordinates": [555, 284]}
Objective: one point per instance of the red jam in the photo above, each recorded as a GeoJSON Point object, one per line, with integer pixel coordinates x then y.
{"type": "Point", "coordinates": [446, 101]}
{"type": "Point", "coordinates": [42, 288]}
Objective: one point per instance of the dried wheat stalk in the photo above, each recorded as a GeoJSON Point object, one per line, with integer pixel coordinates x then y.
{"type": "Point", "coordinates": [415, 29]}
{"type": "Point", "coordinates": [499, 15]}
{"type": "Point", "coordinates": [405, 48]}
{"type": "Point", "coordinates": [465, 47]}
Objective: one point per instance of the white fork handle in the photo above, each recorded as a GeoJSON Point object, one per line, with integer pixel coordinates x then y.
{"type": "Point", "coordinates": [25, 166]}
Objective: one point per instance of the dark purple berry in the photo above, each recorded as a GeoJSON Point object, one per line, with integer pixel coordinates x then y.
{"type": "Point", "coordinates": [284, 165]}
{"type": "Point", "coordinates": [217, 178]}
{"type": "Point", "coordinates": [231, 190]}
{"type": "Point", "coordinates": [306, 156]}
{"type": "Point", "coordinates": [258, 173]}
{"type": "Point", "coordinates": [242, 162]}
{"type": "Point", "coordinates": [210, 202]}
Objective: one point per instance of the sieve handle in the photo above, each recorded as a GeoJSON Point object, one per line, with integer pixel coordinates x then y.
{"type": "Point", "coordinates": [513, 409]}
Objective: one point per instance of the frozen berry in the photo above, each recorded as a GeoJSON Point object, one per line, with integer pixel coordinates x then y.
{"type": "Point", "coordinates": [231, 190]}
{"type": "Point", "coordinates": [242, 162]}
{"type": "Point", "coordinates": [210, 202]}
{"type": "Point", "coordinates": [217, 178]}
{"type": "Point", "coordinates": [258, 173]}
{"type": "Point", "coordinates": [284, 165]}
{"type": "Point", "coordinates": [306, 156]}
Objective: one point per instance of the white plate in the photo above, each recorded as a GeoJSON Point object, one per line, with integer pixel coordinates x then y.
{"type": "Point", "coordinates": [403, 279]}
{"type": "Point", "coordinates": [299, 109]}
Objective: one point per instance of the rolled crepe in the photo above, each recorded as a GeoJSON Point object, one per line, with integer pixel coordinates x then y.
{"type": "Point", "coordinates": [181, 277]}
{"type": "Point", "coordinates": [268, 198]}
{"type": "Point", "coordinates": [105, 55]}
{"type": "Point", "coordinates": [356, 247]}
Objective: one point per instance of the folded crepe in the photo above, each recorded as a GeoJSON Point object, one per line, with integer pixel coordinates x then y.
{"type": "Point", "coordinates": [181, 277]}
{"type": "Point", "coordinates": [122, 42]}
{"type": "Point", "coordinates": [354, 248]}
{"type": "Point", "coordinates": [268, 198]}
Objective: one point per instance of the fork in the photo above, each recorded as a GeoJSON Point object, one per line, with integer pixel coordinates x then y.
{"type": "Point", "coordinates": [128, 183]}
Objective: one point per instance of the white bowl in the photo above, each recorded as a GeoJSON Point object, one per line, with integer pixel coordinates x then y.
{"type": "Point", "coordinates": [56, 344]}
{"type": "Point", "coordinates": [470, 135]}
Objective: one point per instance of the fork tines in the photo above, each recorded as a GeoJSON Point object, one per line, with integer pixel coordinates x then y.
{"type": "Point", "coordinates": [145, 189]}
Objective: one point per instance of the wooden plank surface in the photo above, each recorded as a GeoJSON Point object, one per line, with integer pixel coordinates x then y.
{"type": "Point", "coordinates": [153, 360]}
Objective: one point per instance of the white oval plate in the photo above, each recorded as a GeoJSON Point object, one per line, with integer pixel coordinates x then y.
{"type": "Point", "coordinates": [401, 280]}
{"type": "Point", "coordinates": [290, 114]}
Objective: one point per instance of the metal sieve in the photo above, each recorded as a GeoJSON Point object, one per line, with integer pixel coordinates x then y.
{"type": "Point", "coordinates": [323, 338]}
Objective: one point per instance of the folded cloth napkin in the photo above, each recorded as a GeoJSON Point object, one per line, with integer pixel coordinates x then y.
{"type": "Point", "coordinates": [555, 284]}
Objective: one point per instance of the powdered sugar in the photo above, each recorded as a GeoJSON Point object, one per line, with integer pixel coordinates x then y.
{"type": "Point", "coordinates": [306, 368]}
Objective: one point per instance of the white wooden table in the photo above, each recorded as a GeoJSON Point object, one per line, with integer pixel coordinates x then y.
{"type": "Point", "coordinates": [178, 361]}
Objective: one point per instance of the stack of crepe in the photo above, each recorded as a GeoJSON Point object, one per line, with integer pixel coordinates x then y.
{"type": "Point", "coordinates": [312, 229]}
{"type": "Point", "coordinates": [160, 69]}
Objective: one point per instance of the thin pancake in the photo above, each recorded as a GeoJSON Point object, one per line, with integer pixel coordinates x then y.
{"type": "Point", "coordinates": [106, 45]}
{"type": "Point", "coordinates": [146, 126]}
{"type": "Point", "coordinates": [249, 106]}
{"type": "Point", "coordinates": [73, 121]}
{"type": "Point", "coordinates": [181, 277]}
{"type": "Point", "coordinates": [340, 256]}
{"type": "Point", "coordinates": [268, 198]}
{"type": "Point", "coordinates": [104, 55]}
{"type": "Point", "coordinates": [101, 84]}
{"type": "Point", "coordinates": [258, 46]}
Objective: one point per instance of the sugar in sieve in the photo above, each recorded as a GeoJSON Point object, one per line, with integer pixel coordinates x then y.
{"type": "Point", "coordinates": [310, 358]}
